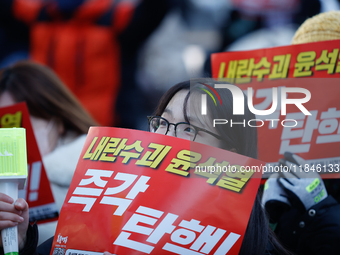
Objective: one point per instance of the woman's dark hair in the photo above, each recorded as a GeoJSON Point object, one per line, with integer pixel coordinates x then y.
{"type": "Point", "coordinates": [258, 237]}
{"type": "Point", "coordinates": [242, 140]}
{"type": "Point", "coordinates": [45, 94]}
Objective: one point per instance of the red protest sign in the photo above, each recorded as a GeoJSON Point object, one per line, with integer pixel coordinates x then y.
{"type": "Point", "coordinates": [314, 67]}
{"type": "Point", "coordinates": [135, 192]}
{"type": "Point", "coordinates": [37, 190]}
{"type": "Point", "coordinates": [317, 60]}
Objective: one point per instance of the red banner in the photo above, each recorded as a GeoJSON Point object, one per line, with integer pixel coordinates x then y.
{"type": "Point", "coordinates": [135, 192]}
{"type": "Point", "coordinates": [317, 60]}
{"type": "Point", "coordinates": [313, 66]}
{"type": "Point", "coordinates": [37, 190]}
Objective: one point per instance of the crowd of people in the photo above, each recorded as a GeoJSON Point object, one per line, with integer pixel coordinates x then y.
{"type": "Point", "coordinates": [285, 219]}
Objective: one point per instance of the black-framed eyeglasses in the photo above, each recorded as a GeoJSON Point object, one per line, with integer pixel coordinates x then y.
{"type": "Point", "coordinates": [183, 130]}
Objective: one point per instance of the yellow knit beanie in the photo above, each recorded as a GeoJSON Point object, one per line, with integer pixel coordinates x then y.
{"type": "Point", "coordinates": [322, 27]}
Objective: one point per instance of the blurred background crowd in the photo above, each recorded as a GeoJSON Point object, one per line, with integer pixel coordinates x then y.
{"type": "Point", "coordinates": [119, 56]}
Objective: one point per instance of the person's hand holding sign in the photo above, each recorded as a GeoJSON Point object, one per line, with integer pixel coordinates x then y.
{"type": "Point", "coordinates": [275, 199]}
{"type": "Point", "coordinates": [304, 187]}
{"type": "Point", "coordinates": [299, 187]}
{"type": "Point", "coordinates": [311, 224]}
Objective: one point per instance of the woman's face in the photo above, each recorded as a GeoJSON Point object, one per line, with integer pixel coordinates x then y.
{"type": "Point", "coordinates": [174, 114]}
{"type": "Point", "coordinates": [46, 131]}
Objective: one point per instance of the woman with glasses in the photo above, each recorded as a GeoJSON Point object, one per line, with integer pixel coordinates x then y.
{"type": "Point", "coordinates": [179, 114]}
{"type": "Point", "coordinates": [314, 231]}
{"type": "Point", "coordinates": [182, 104]}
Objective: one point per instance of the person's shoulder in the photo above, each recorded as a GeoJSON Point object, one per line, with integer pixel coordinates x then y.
{"type": "Point", "coordinates": [61, 163]}
{"type": "Point", "coordinates": [68, 146]}
{"type": "Point", "coordinates": [71, 137]}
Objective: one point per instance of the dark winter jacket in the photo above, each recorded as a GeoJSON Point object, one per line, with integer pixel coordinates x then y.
{"type": "Point", "coordinates": [315, 231]}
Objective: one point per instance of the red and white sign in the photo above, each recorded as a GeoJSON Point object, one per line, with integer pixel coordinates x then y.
{"type": "Point", "coordinates": [313, 66]}
{"type": "Point", "coordinates": [37, 190]}
{"type": "Point", "coordinates": [135, 192]}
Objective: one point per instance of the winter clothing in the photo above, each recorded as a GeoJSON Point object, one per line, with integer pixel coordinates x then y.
{"type": "Point", "coordinates": [315, 231]}
{"type": "Point", "coordinates": [91, 44]}
{"type": "Point", "coordinates": [60, 165]}
{"type": "Point", "coordinates": [321, 27]}
{"type": "Point", "coordinates": [305, 218]}
{"type": "Point", "coordinates": [79, 42]}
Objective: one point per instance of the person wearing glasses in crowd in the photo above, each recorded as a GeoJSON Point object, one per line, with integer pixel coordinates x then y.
{"type": "Point", "coordinates": [297, 215]}
{"type": "Point", "coordinates": [178, 115]}
{"type": "Point", "coordinates": [184, 130]}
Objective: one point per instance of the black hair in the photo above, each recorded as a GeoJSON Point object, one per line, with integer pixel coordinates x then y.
{"type": "Point", "coordinates": [258, 236]}
{"type": "Point", "coordinates": [242, 140]}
